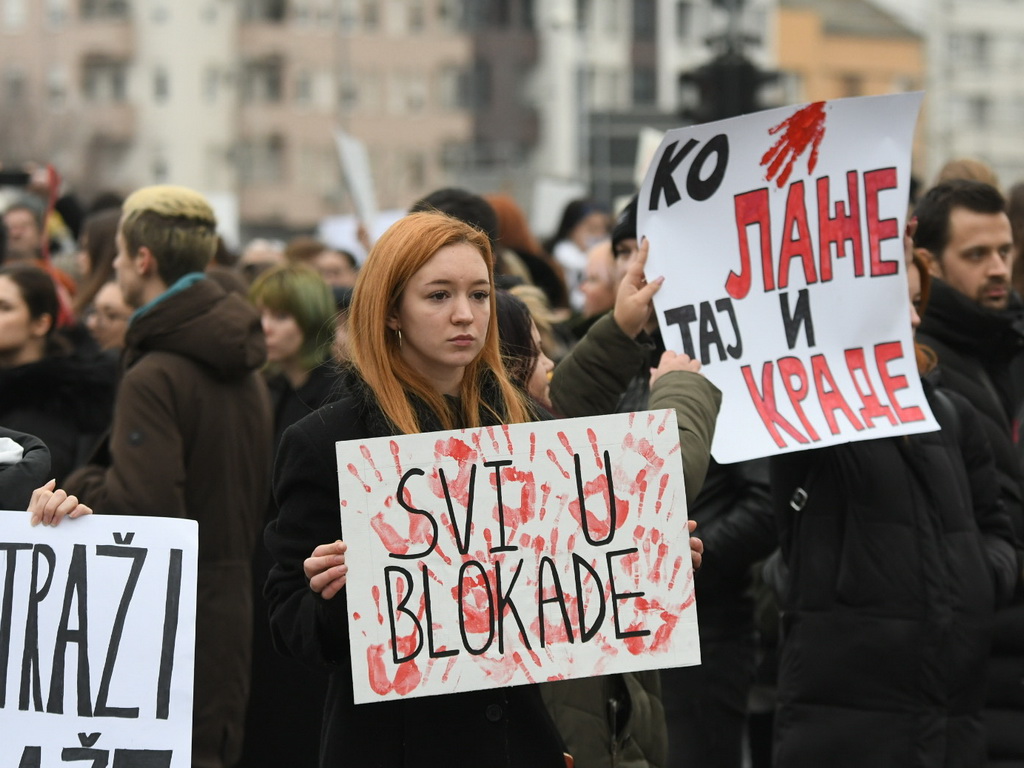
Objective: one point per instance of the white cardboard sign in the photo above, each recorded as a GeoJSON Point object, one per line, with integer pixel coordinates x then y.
{"type": "Point", "coordinates": [97, 641]}
{"type": "Point", "coordinates": [516, 554]}
{"type": "Point", "coordinates": [780, 238]}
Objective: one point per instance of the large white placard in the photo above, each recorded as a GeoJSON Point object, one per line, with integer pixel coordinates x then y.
{"type": "Point", "coordinates": [780, 238]}
{"type": "Point", "coordinates": [97, 640]}
{"type": "Point", "coordinates": [516, 554]}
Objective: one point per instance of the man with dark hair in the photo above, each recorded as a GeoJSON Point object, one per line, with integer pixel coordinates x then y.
{"type": "Point", "coordinates": [191, 437]}
{"type": "Point", "coordinates": [23, 221]}
{"type": "Point", "coordinates": [464, 206]}
{"type": "Point", "coordinates": [964, 232]}
{"type": "Point", "coordinates": [975, 324]}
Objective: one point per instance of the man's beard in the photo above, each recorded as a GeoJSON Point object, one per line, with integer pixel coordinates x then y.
{"type": "Point", "coordinates": [990, 302]}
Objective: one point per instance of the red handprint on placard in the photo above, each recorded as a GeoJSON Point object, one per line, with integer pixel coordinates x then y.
{"type": "Point", "coordinates": [804, 128]}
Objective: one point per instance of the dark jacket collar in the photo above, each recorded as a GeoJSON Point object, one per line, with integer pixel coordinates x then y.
{"type": "Point", "coordinates": [963, 324]}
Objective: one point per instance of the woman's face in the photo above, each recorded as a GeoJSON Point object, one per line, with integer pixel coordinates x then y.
{"type": "Point", "coordinates": [598, 284]}
{"type": "Point", "coordinates": [591, 229]}
{"type": "Point", "coordinates": [443, 314]}
{"type": "Point", "coordinates": [539, 385]}
{"type": "Point", "coordinates": [283, 335]}
{"type": "Point", "coordinates": [19, 333]}
{"type": "Point", "coordinates": [914, 284]}
{"type": "Point", "coordinates": [108, 320]}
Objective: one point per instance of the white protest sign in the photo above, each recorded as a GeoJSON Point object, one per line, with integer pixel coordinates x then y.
{"type": "Point", "coordinates": [516, 554]}
{"type": "Point", "coordinates": [355, 167]}
{"type": "Point", "coordinates": [780, 238]}
{"type": "Point", "coordinates": [97, 640]}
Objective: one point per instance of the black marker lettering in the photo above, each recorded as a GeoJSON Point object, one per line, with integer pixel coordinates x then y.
{"type": "Point", "coordinates": [138, 558]}
{"type": "Point", "coordinates": [400, 495]}
{"type": "Point", "coordinates": [170, 634]}
{"type": "Point", "coordinates": [76, 591]}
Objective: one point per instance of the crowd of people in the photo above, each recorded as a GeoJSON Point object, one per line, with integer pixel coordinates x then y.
{"type": "Point", "coordinates": [859, 605]}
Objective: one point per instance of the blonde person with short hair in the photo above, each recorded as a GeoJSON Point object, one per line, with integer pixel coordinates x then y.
{"type": "Point", "coordinates": [191, 437]}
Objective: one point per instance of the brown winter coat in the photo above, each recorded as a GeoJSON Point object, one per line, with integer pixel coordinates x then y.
{"type": "Point", "coordinates": [191, 439]}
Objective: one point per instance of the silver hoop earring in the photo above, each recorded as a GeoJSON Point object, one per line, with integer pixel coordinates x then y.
{"type": "Point", "coordinates": [398, 332]}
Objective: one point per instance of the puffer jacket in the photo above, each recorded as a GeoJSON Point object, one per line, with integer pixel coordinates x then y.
{"type": "Point", "coordinates": [981, 356]}
{"type": "Point", "coordinates": [899, 550]}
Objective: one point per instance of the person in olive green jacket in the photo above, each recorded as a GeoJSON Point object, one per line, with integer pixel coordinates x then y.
{"type": "Point", "coordinates": [617, 721]}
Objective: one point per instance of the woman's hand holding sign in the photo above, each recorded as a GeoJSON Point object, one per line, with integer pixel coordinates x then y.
{"type": "Point", "coordinates": [49, 505]}
{"type": "Point", "coordinates": [326, 570]}
{"type": "Point", "coordinates": [633, 300]}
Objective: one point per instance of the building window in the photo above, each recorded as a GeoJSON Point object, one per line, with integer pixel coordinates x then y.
{"type": "Point", "coordinates": [14, 86]}
{"type": "Point", "coordinates": [348, 15]}
{"type": "Point", "coordinates": [979, 111]}
{"type": "Point", "coordinates": [261, 160]}
{"type": "Point", "coordinates": [161, 85]}
{"type": "Point", "coordinates": [643, 19]}
{"type": "Point", "coordinates": [304, 88]}
{"type": "Point", "coordinates": [161, 171]}
{"type": "Point", "coordinates": [970, 48]}
{"type": "Point", "coordinates": [14, 14]}
{"type": "Point", "coordinates": [211, 85]}
{"type": "Point", "coordinates": [451, 14]}
{"type": "Point", "coordinates": [684, 20]}
{"type": "Point", "coordinates": [263, 80]}
{"type": "Point", "coordinates": [264, 10]}
{"type": "Point", "coordinates": [501, 14]}
{"type": "Point", "coordinates": [160, 13]}
{"type": "Point", "coordinates": [319, 169]}
{"type": "Point", "coordinates": [583, 20]}
{"type": "Point", "coordinates": [56, 12]}
{"type": "Point", "coordinates": [104, 9]}
{"type": "Point", "coordinates": [348, 92]}
{"type": "Point", "coordinates": [644, 86]}
{"type": "Point", "coordinates": [371, 15]}
{"type": "Point", "coordinates": [408, 93]}
{"type": "Point", "coordinates": [105, 80]}
{"type": "Point", "coordinates": [851, 85]}
{"type": "Point", "coordinates": [417, 18]}
{"type": "Point", "coordinates": [57, 88]}
{"type": "Point", "coordinates": [462, 88]}
{"type": "Point", "coordinates": [416, 169]}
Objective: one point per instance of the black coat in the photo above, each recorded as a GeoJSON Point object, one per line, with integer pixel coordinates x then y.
{"type": "Point", "coordinates": [981, 356]}
{"type": "Point", "coordinates": [66, 400]}
{"type": "Point", "coordinates": [498, 727]}
{"type": "Point", "coordinates": [19, 479]}
{"type": "Point", "coordinates": [734, 516]}
{"type": "Point", "coordinates": [897, 558]}
{"type": "Point", "coordinates": [276, 735]}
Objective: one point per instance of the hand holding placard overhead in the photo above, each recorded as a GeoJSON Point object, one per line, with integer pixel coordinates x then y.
{"type": "Point", "coordinates": [779, 237]}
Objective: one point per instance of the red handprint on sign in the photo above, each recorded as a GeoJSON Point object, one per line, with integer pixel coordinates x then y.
{"type": "Point", "coordinates": [804, 128]}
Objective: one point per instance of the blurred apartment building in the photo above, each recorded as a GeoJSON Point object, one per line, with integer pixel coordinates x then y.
{"type": "Point", "coordinates": [975, 98]}
{"type": "Point", "coordinates": [241, 98]}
